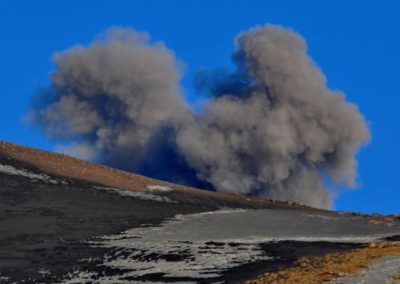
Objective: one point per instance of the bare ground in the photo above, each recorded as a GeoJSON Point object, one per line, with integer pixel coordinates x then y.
{"type": "Point", "coordinates": [43, 224]}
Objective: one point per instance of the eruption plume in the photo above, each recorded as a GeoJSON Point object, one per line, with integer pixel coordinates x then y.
{"type": "Point", "coordinates": [270, 127]}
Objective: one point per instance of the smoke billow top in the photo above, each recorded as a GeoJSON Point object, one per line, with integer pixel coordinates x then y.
{"type": "Point", "coordinates": [270, 127]}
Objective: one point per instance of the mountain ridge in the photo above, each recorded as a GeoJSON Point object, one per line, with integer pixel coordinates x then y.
{"type": "Point", "coordinates": [67, 166]}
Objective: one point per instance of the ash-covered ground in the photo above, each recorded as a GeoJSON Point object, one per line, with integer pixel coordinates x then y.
{"type": "Point", "coordinates": [61, 230]}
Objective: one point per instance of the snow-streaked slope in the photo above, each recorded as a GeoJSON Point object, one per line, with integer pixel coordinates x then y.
{"type": "Point", "coordinates": [10, 170]}
{"type": "Point", "coordinates": [59, 227]}
{"type": "Point", "coordinates": [136, 194]}
{"type": "Point", "coordinates": [253, 226]}
{"type": "Point", "coordinates": [204, 245]}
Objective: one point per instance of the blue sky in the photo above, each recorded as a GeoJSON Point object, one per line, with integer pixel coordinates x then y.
{"type": "Point", "coordinates": [356, 43]}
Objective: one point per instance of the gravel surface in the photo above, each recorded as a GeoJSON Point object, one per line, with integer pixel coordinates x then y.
{"type": "Point", "coordinates": [379, 272]}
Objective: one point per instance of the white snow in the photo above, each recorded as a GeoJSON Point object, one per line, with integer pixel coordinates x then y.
{"type": "Point", "coordinates": [10, 170]}
{"type": "Point", "coordinates": [137, 194]}
{"type": "Point", "coordinates": [207, 244]}
{"type": "Point", "coordinates": [266, 225]}
{"type": "Point", "coordinates": [4, 278]}
{"type": "Point", "coordinates": [44, 272]}
{"type": "Point", "coordinates": [203, 260]}
{"type": "Point", "coordinates": [148, 247]}
{"type": "Point", "coordinates": [159, 188]}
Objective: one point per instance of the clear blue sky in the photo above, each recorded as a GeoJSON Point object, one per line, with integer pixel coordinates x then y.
{"type": "Point", "coordinates": [356, 43]}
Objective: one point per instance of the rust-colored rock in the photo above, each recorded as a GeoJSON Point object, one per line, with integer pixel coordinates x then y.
{"type": "Point", "coordinates": [323, 269]}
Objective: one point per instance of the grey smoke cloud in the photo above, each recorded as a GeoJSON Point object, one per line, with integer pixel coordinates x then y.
{"type": "Point", "coordinates": [271, 127]}
{"type": "Point", "coordinates": [113, 95]}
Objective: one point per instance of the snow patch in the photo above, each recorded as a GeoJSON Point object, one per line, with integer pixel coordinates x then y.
{"type": "Point", "coordinates": [137, 194]}
{"type": "Point", "coordinates": [159, 188]}
{"type": "Point", "coordinates": [44, 272]}
{"type": "Point", "coordinates": [205, 245]}
{"type": "Point", "coordinates": [255, 226]}
{"type": "Point", "coordinates": [10, 170]}
{"type": "Point", "coordinates": [194, 260]}
{"type": "Point", "coordinates": [138, 254]}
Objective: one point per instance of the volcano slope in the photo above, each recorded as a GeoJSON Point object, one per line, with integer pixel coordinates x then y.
{"type": "Point", "coordinates": [63, 220]}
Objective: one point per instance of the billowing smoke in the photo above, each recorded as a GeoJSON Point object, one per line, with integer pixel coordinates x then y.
{"type": "Point", "coordinates": [270, 127]}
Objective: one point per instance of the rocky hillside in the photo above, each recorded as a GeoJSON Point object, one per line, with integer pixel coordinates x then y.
{"type": "Point", "coordinates": [63, 220]}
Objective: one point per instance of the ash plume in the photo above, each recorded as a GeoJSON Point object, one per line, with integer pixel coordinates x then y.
{"type": "Point", "coordinates": [112, 98]}
{"type": "Point", "coordinates": [270, 127]}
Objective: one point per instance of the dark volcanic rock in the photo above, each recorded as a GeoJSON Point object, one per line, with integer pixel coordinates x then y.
{"type": "Point", "coordinates": [43, 223]}
{"type": "Point", "coordinates": [55, 228]}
